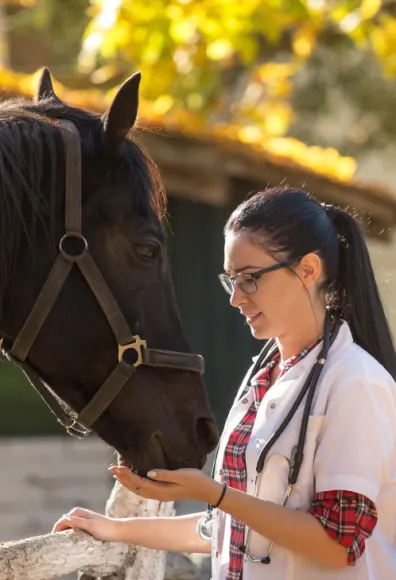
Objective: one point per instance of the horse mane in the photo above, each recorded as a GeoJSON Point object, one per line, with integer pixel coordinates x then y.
{"type": "Point", "coordinates": [32, 163]}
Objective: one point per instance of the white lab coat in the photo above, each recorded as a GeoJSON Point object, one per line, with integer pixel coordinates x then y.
{"type": "Point", "coordinates": [350, 445]}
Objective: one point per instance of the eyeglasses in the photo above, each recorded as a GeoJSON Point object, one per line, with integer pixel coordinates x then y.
{"type": "Point", "coordinates": [247, 281]}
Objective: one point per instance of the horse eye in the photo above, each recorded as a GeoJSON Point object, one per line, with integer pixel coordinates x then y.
{"type": "Point", "coordinates": [147, 251]}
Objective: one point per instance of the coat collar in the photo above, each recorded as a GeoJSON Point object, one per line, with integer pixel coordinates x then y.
{"type": "Point", "coordinates": [342, 341]}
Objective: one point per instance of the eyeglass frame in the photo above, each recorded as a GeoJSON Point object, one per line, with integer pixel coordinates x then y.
{"type": "Point", "coordinates": [255, 275]}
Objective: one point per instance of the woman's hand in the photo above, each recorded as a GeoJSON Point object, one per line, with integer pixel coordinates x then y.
{"type": "Point", "coordinates": [98, 525]}
{"type": "Point", "coordinates": [164, 485]}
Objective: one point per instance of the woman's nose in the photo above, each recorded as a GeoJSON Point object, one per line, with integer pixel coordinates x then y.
{"type": "Point", "coordinates": [237, 297]}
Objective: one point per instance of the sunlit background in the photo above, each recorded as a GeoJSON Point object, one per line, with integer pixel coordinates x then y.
{"type": "Point", "coordinates": [235, 96]}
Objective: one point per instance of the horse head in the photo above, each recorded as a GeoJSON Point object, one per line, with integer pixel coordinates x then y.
{"type": "Point", "coordinates": [64, 167]}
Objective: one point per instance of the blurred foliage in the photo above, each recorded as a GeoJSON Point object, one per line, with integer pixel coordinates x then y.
{"type": "Point", "coordinates": [222, 66]}
{"type": "Point", "coordinates": [231, 64]}
{"type": "Point", "coordinates": [350, 107]}
{"type": "Point", "coordinates": [282, 150]}
{"type": "Point", "coordinates": [57, 24]}
{"type": "Point", "coordinates": [22, 3]}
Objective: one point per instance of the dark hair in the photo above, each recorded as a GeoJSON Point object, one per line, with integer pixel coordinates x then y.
{"type": "Point", "coordinates": [292, 223]}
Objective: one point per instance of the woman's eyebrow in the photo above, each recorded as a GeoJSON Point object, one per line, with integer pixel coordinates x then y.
{"type": "Point", "coordinates": [238, 270]}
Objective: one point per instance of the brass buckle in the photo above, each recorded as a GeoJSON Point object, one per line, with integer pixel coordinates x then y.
{"type": "Point", "coordinates": [138, 345]}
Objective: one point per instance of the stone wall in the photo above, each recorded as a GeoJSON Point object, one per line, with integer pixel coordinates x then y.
{"type": "Point", "coordinates": [43, 477]}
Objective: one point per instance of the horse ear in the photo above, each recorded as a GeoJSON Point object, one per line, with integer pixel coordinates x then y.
{"type": "Point", "coordinates": [45, 90]}
{"type": "Point", "coordinates": [122, 113]}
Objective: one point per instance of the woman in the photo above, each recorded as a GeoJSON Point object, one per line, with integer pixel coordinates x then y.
{"type": "Point", "coordinates": [314, 426]}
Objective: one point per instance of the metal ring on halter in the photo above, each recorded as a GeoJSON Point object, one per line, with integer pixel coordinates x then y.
{"type": "Point", "coordinates": [73, 236]}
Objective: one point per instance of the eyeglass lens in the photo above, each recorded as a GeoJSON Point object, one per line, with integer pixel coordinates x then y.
{"type": "Point", "coordinates": [244, 281]}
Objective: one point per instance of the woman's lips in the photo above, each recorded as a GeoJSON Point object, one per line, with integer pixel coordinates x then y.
{"type": "Point", "coordinates": [252, 319]}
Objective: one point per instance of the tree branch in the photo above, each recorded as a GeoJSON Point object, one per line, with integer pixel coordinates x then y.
{"type": "Point", "coordinates": [54, 555]}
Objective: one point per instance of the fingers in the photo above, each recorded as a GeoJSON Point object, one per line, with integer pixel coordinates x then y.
{"type": "Point", "coordinates": [180, 476]}
{"type": "Point", "coordinates": [133, 482]}
{"type": "Point", "coordinates": [86, 525]}
{"type": "Point", "coordinates": [73, 519]}
{"type": "Point", "coordinates": [159, 490]}
{"type": "Point", "coordinates": [61, 525]}
{"type": "Point", "coordinates": [83, 513]}
{"type": "Point", "coordinates": [72, 522]}
{"type": "Point", "coordinates": [164, 475]}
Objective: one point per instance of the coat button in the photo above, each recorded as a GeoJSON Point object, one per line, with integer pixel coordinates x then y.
{"type": "Point", "coordinates": [244, 401]}
{"type": "Point", "coordinates": [272, 405]}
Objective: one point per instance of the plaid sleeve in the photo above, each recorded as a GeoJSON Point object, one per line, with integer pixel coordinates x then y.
{"type": "Point", "coordinates": [348, 517]}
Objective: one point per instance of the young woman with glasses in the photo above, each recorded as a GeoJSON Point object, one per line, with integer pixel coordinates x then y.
{"type": "Point", "coordinates": [304, 484]}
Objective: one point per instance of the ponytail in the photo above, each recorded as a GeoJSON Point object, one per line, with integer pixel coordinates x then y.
{"type": "Point", "coordinates": [291, 223]}
{"type": "Point", "coordinates": [355, 294]}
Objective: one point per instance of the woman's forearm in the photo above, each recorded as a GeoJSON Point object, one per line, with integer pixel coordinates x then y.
{"type": "Point", "coordinates": [297, 531]}
{"type": "Point", "coordinates": [174, 534]}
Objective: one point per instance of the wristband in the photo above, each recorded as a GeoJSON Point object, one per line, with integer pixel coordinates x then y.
{"type": "Point", "coordinates": [221, 496]}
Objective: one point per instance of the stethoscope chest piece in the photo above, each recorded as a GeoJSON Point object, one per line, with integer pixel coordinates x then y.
{"type": "Point", "coordinates": [205, 526]}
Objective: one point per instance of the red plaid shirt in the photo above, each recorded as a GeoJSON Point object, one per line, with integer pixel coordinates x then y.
{"type": "Point", "coordinates": [348, 517]}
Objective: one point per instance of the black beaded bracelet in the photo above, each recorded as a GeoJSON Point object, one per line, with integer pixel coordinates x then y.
{"type": "Point", "coordinates": [221, 497]}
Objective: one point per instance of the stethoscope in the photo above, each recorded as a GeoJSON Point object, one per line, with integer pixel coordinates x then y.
{"type": "Point", "coordinates": [205, 524]}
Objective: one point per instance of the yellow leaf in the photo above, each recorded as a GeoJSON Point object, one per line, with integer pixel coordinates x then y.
{"type": "Point", "coordinates": [104, 73]}
{"type": "Point", "coordinates": [162, 105]}
{"type": "Point", "coordinates": [174, 12]}
{"type": "Point", "coordinates": [183, 31]}
{"type": "Point", "coordinates": [24, 3]}
{"type": "Point", "coordinates": [346, 168]}
{"type": "Point", "coordinates": [287, 146]}
{"type": "Point", "coordinates": [369, 8]}
{"type": "Point", "coordinates": [278, 119]}
{"type": "Point", "coordinates": [304, 41]}
{"type": "Point", "coordinates": [219, 49]}
{"type": "Point", "coordinates": [275, 71]}
{"type": "Point", "coordinates": [195, 101]}
{"type": "Point", "coordinates": [250, 134]}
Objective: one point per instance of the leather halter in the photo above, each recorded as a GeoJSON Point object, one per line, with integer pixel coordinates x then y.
{"type": "Point", "coordinates": [132, 350]}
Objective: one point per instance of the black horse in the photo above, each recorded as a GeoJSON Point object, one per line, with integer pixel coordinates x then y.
{"type": "Point", "coordinates": [68, 301]}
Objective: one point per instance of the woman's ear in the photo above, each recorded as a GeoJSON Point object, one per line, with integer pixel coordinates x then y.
{"type": "Point", "coordinates": [310, 269]}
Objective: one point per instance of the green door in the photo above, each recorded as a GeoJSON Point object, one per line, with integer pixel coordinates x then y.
{"type": "Point", "coordinates": [214, 329]}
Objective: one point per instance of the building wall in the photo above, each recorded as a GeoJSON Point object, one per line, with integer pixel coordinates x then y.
{"type": "Point", "coordinates": [380, 166]}
{"type": "Point", "coordinates": [383, 258]}
{"type": "Point", "coordinates": [334, 128]}
{"type": "Point", "coordinates": [212, 326]}
{"type": "Point", "coordinates": [43, 477]}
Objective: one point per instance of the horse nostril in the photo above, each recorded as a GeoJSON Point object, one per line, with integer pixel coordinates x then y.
{"type": "Point", "coordinates": [207, 433]}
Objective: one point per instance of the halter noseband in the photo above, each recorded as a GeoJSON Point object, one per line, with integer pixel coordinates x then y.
{"type": "Point", "coordinates": [132, 350]}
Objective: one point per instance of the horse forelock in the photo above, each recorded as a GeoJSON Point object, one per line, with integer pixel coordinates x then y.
{"type": "Point", "coordinates": [32, 165]}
